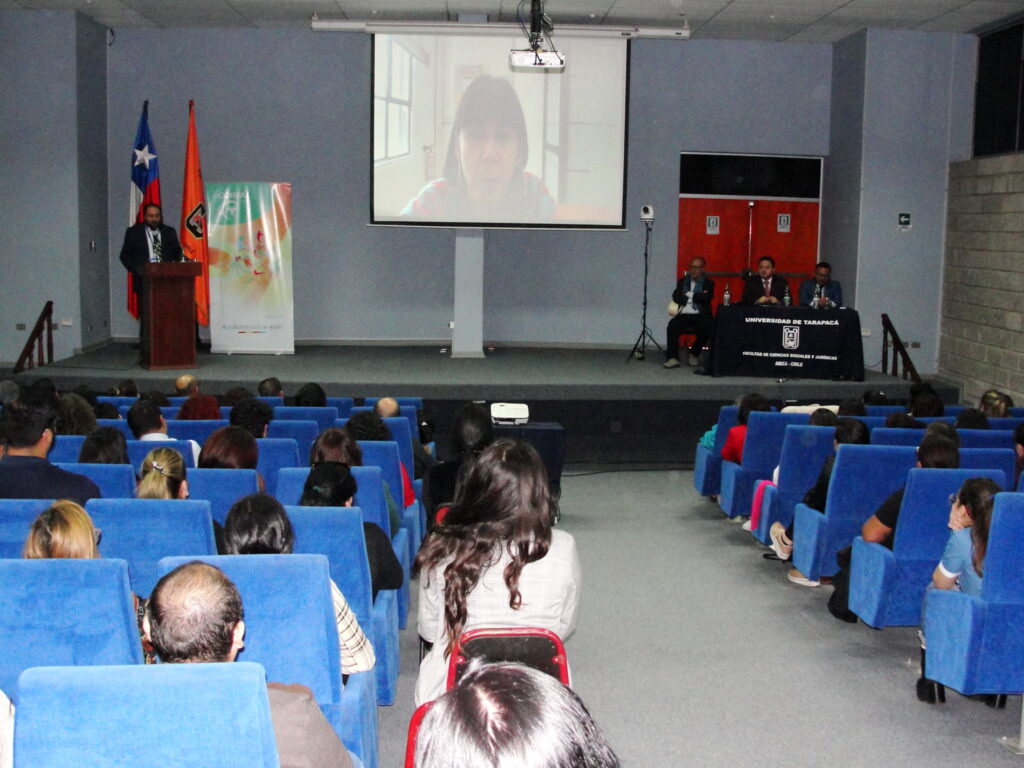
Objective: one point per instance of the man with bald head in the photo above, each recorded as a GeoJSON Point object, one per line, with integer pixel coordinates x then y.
{"type": "Point", "coordinates": [186, 385]}
{"type": "Point", "coordinates": [388, 407]}
{"type": "Point", "coordinates": [194, 616]}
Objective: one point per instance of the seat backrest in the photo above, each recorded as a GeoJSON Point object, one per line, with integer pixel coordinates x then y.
{"type": "Point", "coordinates": [289, 618]}
{"type": "Point", "coordinates": [177, 400]}
{"type": "Point", "coordinates": [871, 422]}
{"type": "Point", "coordinates": [763, 445]}
{"type": "Point", "coordinates": [221, 487]}
{"type": "Point", "coordinates": [120, 424]}
{"type": "Point", "coordinates": [275, 453]}
{"type": "Point", "coordinates": [115, 481]}
{"type": "Point", "coordinates": [369, 496]}
{"type": "Point", "coordinates": [167, 411]}
{"type": "Point", "coordinates": [116, 400]}
{"type": "Point", "coordinates": [137, 450]}
{"type": "Point", "coordinates": [896, 436]}
{"type": "Point", "coordinates": [1003, 570]}
{"type": "Point", "coordinates": [804, 450]}
{"type": "Point", "coordinates": [1004, 459]}
{"type": "Point", "coordinates": [402, 435]}
{"type": "Point", "coordinates": [16, 516]}
{"type": "Point", "coordinates": [921, 529]}
{"type": "Point", "coordinates": [864, 476]}
{"type": "Point", "coordinates": [343, 404]}
{"type": "Point", "coordinates": [337, 534]}
{"type": "Point", "coordinates": [952, 411]}
{"type": "Point", "coordinates": [217, 715]}
{"type": "Point", "coordinates": [323, 417]}
{"type": "Point", "coordinates": [194, 429]}
{"type": "Point", "coordinates": [986, 438]}
{"type": "Point", "coordinates": [727, 416]}
{"type": "Point", "coordinates": [302, 432]}
{"type": "Point", "coordinates": [142, 531]}
{"type": "Point", "coordinates": [66, 448]}
{"type": "Point", "coordinates": [1007, 423]}
{"type": "Point", "coordinates": [272, 400]}
{"type": "Point", "coordinates": [64, 612]}
{"type": "Point", "coordinates": [384, 454]}
{"type": "Point", "coordinates": [535, 647]}
{"type": "Point", "coordinates": [884, 410]}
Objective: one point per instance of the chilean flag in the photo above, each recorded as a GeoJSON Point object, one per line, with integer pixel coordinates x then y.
{"type": "Point", "coordinates": [145, 186]}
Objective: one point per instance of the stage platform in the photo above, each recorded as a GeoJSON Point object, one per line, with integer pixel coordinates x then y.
{"type": "Point", "coordinates": [613, 410]}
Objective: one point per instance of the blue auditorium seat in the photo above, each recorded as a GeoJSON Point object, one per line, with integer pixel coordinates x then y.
{"type": "Point", "coordinates": [16, 516]}
{"type": "Point", "coordinates": [275, 453]}
{"type": "Point", "coordinates": [884, 410]}
{"type": "Point", "coordinates": [343, 404]}
{"type": "Point", "coordinates": [194, 429]}
{"type": "Point", "coordinates": [986, 438]}
{"type": "Point", "coordinates": [221, 487]}
{"type": "Point", "coordinates": [64, 612]}
{"type": "Point", "coordinates": [142, 531]}
{"type": "Point", "coordinates": [65, 449]}
{"type": "Point", "coordinates": [337, 533]}
{"type": "Point", "coordinates": [116, 400]}
{"type": "Point", "coordinates": [115, 481]}
{"type": "Point", "coordinates": [862, 478]}
{"type": "Point", "coordinates": [324, 417]}
{"type": "Point", "coordinates": [213, 715]}
{"type": "Point", "coordinates": [896, 436]}
{"type": "Point", "coordinates": [138, 449]}
{"type": "Point", "coordinates": [120, 424]}
{"type": "Point", "coordinates": [290, 629]}
{"type": "Point", "coordinates": [707, 464]}
{"type": "Point", "coordinates": [304, 433]}
{"type": "Point", "coordinates": [887, 586]}
{"type": "Point", "coordinates": [761, 452]}
{"type": "Point", "coordinates": [1003, 459]}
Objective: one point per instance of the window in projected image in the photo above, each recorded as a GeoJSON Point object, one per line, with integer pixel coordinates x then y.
{"type": "Point", "coordinates": [460, 138]}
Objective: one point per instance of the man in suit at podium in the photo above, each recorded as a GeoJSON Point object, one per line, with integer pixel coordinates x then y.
{"type": "Point", "coordinates": [150, 240]}
{"type": "Point", "coordinates": [765, 287]}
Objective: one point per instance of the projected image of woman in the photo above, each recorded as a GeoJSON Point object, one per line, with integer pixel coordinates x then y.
{"type": "Point", "coordinates": [484, 177]}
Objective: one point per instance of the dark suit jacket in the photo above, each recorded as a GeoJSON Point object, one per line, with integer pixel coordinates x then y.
{"type": "Point", "coordinates": [701, 298]}
{"type": "Point", "coordinates": [135, 251]}
{"type": "Point", "coordinates": [754, 290]}
{"type": "Point", "coordinates": [833, 292]}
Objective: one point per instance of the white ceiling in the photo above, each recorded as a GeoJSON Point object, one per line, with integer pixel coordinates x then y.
{"type": "Point", "coordinates": [813, 21]}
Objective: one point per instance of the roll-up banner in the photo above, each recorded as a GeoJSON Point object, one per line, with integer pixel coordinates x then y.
{"type": "Point", "coordinates": [251, 306]}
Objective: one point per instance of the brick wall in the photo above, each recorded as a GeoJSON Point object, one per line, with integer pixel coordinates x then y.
{"type": "Point", "coordinates": [982, 334]}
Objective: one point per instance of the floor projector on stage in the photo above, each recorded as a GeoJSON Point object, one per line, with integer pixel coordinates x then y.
{"type": "Point", "coordinates": [510, 413]}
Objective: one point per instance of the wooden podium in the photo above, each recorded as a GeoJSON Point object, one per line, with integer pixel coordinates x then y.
{"type": "Point", "coordinates": [169, 314]}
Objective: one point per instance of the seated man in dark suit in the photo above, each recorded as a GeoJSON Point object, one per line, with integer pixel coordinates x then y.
{"type": "Point", "coordinates": [195, 615]}
{"type": "Point", "coordinates": [765, 288]}
{"type": "Point", "coordinates": [25, 472]}
{"type": "Point", "coordinates": [693, 295]}
{"type": "Point", "coordinates": [821, 291]}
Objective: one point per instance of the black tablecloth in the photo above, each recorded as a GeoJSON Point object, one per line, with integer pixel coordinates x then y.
{"type": "Point", "coordinates": [787, 342]}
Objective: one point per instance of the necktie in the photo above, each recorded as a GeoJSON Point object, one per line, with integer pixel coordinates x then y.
{"type": "Point", "coordinates": [767, 287]}
{"type": "Point", "coordinates": [156, 246]}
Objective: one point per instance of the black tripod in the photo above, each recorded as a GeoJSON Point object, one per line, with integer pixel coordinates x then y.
{"type": "Point", "coordinates": [639, 350]}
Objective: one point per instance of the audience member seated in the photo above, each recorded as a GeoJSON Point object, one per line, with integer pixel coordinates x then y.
{"type": "Point", "coordinates": [258, 525]}
{"type": "Point", "coordinates": [186, 385]}
{"type": "Point", "coordinates": [199, 407]}
{"type": "Point", "coordinates": [848, 432]}
{"type": "Point", "coordinates": [875, 397]}
{"type": "Point", "coordinates": [147, 423]}
{"type": "Point", "coordinates": [330, 484]}
{"type": "Point", "coordinates": [943, 429]}
{"type": "Point", "coordinates": [495, 561]}
{"type": "Point", "coordinates": [367, 425]}
{"type": "Point", "coordinates": [253, 415]}
{"type": "Point", "coordinates": [106, 411]}
{"type": "Point", "coordinates": [853, 406]}
{"type": "Point", "coordinates": [471, 433]}
{"type": "Point", "coordinates": [65, 530]}
{"type": "Point", "coordinates": [75, 416]}
{"type": "Point", "coordinates": [510, 714]}
{"type": "Point", "coordinates": [733, 448]}
{"type": "Point", "coordinates": [925, 402]}
{"type": "Point", "coordinates": [126, 388]}
{"type": "Point", "coordinates": [25, 472]}
{"type": "Point", "coordinates": [236, 395]}
{"type": "Point", "coordinates": [311, 396]}
{"type": "Point", "coordinates": [195, 615]}
{"type": "Point", "coordinates": [995, 404]}
{"type": "Point", "coordinates": [903, 421]}
{"type": "Point", "coordinates": [387, 407]}
{"type": "Point", "coordinates": [158, 397]}
{"type": "Point", "coordinates": [270, 387]}
{"type": "Point", "coordinates": [162, 475]}
{"type": "Point", "coordinates": [963, 560]}
{"type": "Point", "coordinates": [9, 391]}
{"type": "Point", "coordinates": [107, 445]}
{"type": "Point", "coordinates": [971, 418]}
{"type": "Point", "coordinates": [334, 444]}
{"type": "Point", "coordinates": [230, 448]}
{"type": "Point", "coordinates": [934, 452]}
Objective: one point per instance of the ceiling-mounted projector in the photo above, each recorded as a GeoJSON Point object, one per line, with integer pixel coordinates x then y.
{"type": "Point", "coordinates": [536, 59]}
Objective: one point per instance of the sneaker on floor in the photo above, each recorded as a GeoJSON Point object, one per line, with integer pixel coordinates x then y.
{"type": "Point", "coordinates": [780, 545]}
{"type": "Point", "coordinates": [738, 518]}
{"type": "Point", "coordinates": [746, 524]}
{"type": "Point", "coordinates": [798, 578]}
{"type": "Point", "coordinates": [693, 361]}
{"type": "Point", "coordinates": [671, 363]}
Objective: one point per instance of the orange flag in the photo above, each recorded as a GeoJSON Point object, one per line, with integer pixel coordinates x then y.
{"type": "Point", "coordinates": [193, 220]}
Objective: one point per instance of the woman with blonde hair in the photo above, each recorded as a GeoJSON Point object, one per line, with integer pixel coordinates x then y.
{"type": "Point", "coordinates": [63, 530]}
{"type": "Point", "coordinates": [162, 475]}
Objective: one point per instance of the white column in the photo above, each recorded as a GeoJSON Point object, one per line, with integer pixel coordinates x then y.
{"type": "Point", "coordinates": [468, 334]}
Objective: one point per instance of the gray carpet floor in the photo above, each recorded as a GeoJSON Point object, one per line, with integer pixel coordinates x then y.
{"type": "Point", "coordinates": [694, 650]}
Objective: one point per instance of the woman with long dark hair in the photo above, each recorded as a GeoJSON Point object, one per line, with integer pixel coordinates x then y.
{"type": "Point", "coordinates": [495, 560]}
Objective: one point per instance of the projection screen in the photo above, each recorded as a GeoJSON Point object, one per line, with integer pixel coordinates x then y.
{"type": "Point", "coordinates": [460, 138]}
